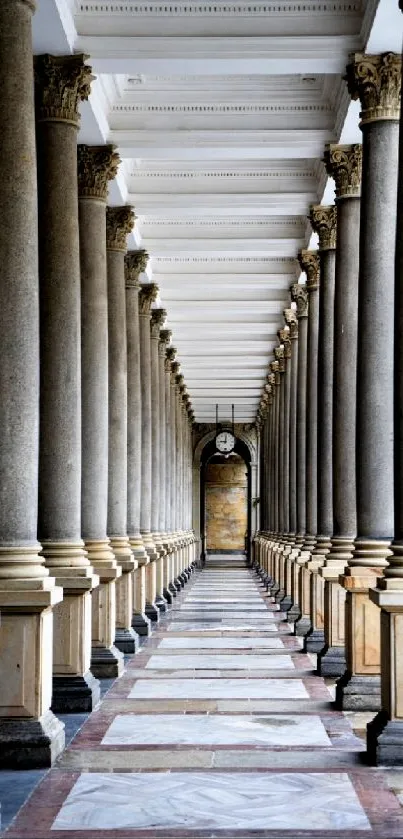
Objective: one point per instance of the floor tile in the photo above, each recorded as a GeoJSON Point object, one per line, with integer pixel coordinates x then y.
{"type": "Point", "coordinates": [220, 643]}
{"type": "Point", "coordinates": [197, 729]}
{"type": "Point", "coordinates": [216, 801]}
{"type": "Point", "coordinates": [219, 662]}
{"type": "Point", "coordinates": [219, 689]}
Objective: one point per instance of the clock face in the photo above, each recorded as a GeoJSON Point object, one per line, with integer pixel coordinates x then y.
{"type": "Point", "coordinates": [225, 441]}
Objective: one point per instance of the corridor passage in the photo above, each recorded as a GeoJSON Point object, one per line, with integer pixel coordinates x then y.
{"type": "Point", "coordinates": [218, 728]}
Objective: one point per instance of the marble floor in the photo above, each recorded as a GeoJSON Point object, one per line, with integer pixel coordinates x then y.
{"type": "Point", "coordinates": [219, 727]}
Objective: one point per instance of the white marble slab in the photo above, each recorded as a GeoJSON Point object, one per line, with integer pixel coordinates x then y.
{"type": "Point", "coordinates": [207, 607]}
{"type": "Point", "coordinates": [263, 617]}
{"type": "Point", "coordinates": [220, 643]}
{"type": "Point", "coordinates": [220, 800]}
{"type": "Point", "coordinates": [209, 730]}
{"type": "Point", "coordinates": [220, 662]}
{"type": "Point", "coordinates": [219, 689]}
{"type": "Point", "coordinates": [208, 626]}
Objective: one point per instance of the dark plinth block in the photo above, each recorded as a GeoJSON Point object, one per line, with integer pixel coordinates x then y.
{"type": "Point", "coordinates": [161, 603]}
{"type": "Point", "coordinates": [385, 741]}
{"type": "Point", "coordinates": [302, 626]}
{"type": "Point", "coordinates": [358, 693]}
{"type": "Point", "coordinates": [331, 662]}
{"type": "Point", "coordinates": [31, 744]}
{"type": "Point", "coordinates": [127, 641]}
{"type": "Point", "coordinates": [106, 662]}
{"type": "Point", "coordinates": [169, 596]}
{"type": "Point", "coordinates": [141, 624]}
{"type": "Point", "coordinates": [294, 613]}
{"type": "Point", "coordinates": [286, 603]}
{"type": "Point", "coordinates": [173, 589]}
{"type": "Point", "coordinates": [152, 612]}
{"type": "Point", "coordinates": [75, 694]}
{"type": "Point", "coordinates": [314, 641]}
{"type": "Point", "coordinates": [280, 595]}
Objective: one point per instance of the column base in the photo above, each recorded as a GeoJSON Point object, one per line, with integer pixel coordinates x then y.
{"type": "Point", "coordinates": [385, 741]}
{"type": "Point", "coordinates": [169, 596]}
{"type": "Point", "coordinates": [294, 614]}
{"type": "Point", "coordinates": [141, 624]}
{"type": "Point", "coordinates": [161, 603]}
{"type": "Point", "coordinates": [75, 694]}
{"type": "Point", "coordinates": [286, 604]}
{"type": "Point", "coordinates": [279, 596]}
{"type": "Point", "coordinates": [331, 662]}
{"type": "Point", "coordinates": [314, 641]}
{"type": "Point", "coordinates": [302, 626]}
{"type": "Point", "coordinates": [152, 612]}
{"type": "Point", "coordinates": [127, 641]}
{"type": "Point", "coordinates": [178, 584]}
{"type": "Point", "coordinates": [106, 662]}
{"type": "Point", "coordinates": [358, 693]}
{"type": "Point", "coordinates": [173, 589]}
{"type": "Point", "coordinates": [30, 743]}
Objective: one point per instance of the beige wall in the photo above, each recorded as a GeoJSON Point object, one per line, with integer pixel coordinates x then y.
{"type": "Point", "coordinates": [226, 504]}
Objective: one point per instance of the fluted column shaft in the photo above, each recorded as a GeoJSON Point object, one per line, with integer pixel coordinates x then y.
{"type": "Point", "coordinates": [59, 513]}
{"type": "Point", "coordinates": [135, 264]}
{"type": "Point", "coordinates": [119, 223]}
{"type": "Point", "coordinates": [299, 296]}
{"type": "Point", "coordinates": [24, 631]}
{"type": "Point", "coordinates": [96, 166]}
{"type": "Point", "coordinates": [373, 79]}
{"type": "Point", "coordinates": [343, 163]}
{"type": "Point", "coordinates": [157, 318]}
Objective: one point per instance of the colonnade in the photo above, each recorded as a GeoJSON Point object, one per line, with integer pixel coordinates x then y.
{"type": "Point", "coordinates": [330, 423]}
{"type": "Point", "coordinates": [95, 447]}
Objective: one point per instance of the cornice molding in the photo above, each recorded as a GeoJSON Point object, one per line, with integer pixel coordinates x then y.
{"type": "Point", "coordinates": [220, 108]}
{"type": "Point", "coordinates": [213, 9]}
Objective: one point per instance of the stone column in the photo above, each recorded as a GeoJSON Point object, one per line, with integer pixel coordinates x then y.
{"type": "Point", "coordinates": [343, 163]}
{"type": "Point", "coordinates": [29, 733]}
{"type": "Point", "coordinates": [174, 366]}
{"type": "Point", "coordinates": [135, 264]}
{"type": "Point", "coordinates": [96, 166]}
{"type": "Point", "coordinates": [61, 84]}
{"type": "Point", "coordinates": [278, 551]}
{"type": "Point", "coordinates": [324, 223]}
{"type": "Point", "coordinates": [376, 81]}
{"type": "Point", "coordinates": [299, 296]}
{"type": "Point", "coordinates": [169, 589]}
{"type": "Point", "coordinates": [164, 339]}
{"type": "Point", "coordinates": [158, 317]}
{"type": "Point", "coordinates": [119, 223]}
{"type": "Point", "coordinates": [385, 732]}
{"type": "Point", "coordinates": [284, 337]}
{"type": "Point", "coordinates": [309, 262]}
{"type": "Point", "coordinates": [148, 294]}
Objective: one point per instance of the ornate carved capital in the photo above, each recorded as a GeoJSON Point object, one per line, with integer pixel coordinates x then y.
{"type": "Point", "coordinates": [148, 295]}
{"type": "Point", "coordinates": [61, 83]}
{"type": "Point", "coordinates": [165, 337]}
{"type": "Point", "coordinates": [97, 165]}
{"type": "Point", "coordinates": [290, 317]}
{"type": "Point", "coordinates": [158, 318]}
{"type": "Point", "coordinates": [135, 264]}
{"type": "Point", "coordinates": [299, 295]}
{"type": "Point", "coordinates": [344, 164]}
{"type": "Point", "coordinates": [324, 223]}
{"type": "Point", "coordinates": [279, 356]}
{"type": "Point", "coordinates": [271, 377]}
{"type": "Point", "coordinates": [376, 81]}
{"type": "Point", "coordinates": [119, 223]}
{"type": "Point", "coordinates": [309, 262]}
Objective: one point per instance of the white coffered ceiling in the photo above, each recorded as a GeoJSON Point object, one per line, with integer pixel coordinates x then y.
{"type": "Point", "coordinates": [220, 110]}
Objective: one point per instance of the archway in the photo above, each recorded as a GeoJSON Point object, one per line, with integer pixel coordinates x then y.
{"type": "Point", "coordinates": [225, 501]}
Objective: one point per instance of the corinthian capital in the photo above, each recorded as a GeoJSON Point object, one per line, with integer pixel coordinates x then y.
{"type": "Point", "coordinates": [170, 354]}
{"type": "Point", "coordinates": [344, 164]}
{"type": "Point", "coordinates": [375, 80]}
{"type": "Point", "coordinates": [158, 317]}
{"type": "Point", "coordinates": [148, 295]}
{"type": "Point", "coordinates": [299, 295]}
{"type": "Point", "coordinates": [309, 262]}
{"type": "Point", "coordinates": [279, 356]}
{"type": "Point", "coordinates": [324, 223]}
{"type": "Point", "coordinates": [135, 264]}
{"type": "Point", "coordinates": [119, 223]}
{"type": "Point", "coordinates": [97, 165]}
{"type": "Point", "coordinates": [290, 317]}
{"type": "Point", "coordinates": [61, 83]}
{"type": "Point", "coordinates": [165, 337]}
